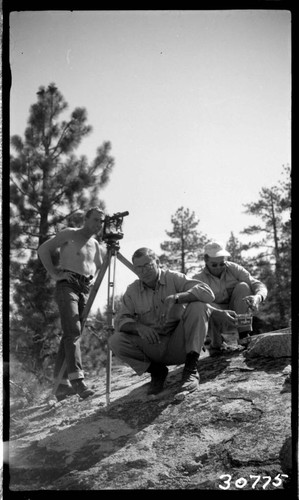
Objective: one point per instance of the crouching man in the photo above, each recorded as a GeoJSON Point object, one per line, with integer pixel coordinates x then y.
{"type": "Point", "coordinates": [234, 288]}
{"type": "Point", "coordinates": [163, 321]}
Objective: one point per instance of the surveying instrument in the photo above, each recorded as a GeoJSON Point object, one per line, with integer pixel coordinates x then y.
{"type": "Point", "coordinates": [112, 233]}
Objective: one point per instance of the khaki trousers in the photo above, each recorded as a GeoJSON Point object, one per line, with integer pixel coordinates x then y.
{"type": "Point", "coordinates": [189, 335]}
{"type": "Point", "coordinates": [236, 304]}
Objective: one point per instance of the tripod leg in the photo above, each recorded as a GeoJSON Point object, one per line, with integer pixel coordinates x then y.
{"type": "Point", "coordinates": [86, 310]}
{"type": "Point", "coordinates": [59, 377]}
{"type": "Point", "coordinates": [108, 374]}
{"type": "Point", "coordinates": [96, 287]}
{"type": "Point", "coordinates": [110, 317]}
{"type": "Point", "coordinates": [110, 311]}
{"type": "Point", "coordinates": [126, 262]}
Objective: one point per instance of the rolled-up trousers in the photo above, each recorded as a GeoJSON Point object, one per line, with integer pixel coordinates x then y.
{"type": "Point", "coordinates": [189, 335]}
{"type": "Point", "coordinates": [236, 304]}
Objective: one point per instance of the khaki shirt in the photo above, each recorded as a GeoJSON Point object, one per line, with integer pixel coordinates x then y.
{"type": "Point", "coordinates": [145, 305]}
{"type": "Point", "coordinates": [230, 277]}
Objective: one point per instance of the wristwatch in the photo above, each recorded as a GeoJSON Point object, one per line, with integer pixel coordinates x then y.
{"type": "Point", "coordinates": [176, 299]}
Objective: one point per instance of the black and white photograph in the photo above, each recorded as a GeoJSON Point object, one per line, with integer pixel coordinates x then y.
{"type": "Point", "coordinates": [150, 340]}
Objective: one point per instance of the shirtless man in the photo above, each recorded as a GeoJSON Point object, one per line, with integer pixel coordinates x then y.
{"type": "Point", "coordinates": [81, 257]}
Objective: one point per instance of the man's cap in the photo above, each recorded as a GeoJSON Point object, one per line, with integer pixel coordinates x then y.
{"type": "Point", "coordinates": [215, 249]}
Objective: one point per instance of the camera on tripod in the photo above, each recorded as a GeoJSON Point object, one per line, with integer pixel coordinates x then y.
{"type": "Point", "coordinates": [112, 230]}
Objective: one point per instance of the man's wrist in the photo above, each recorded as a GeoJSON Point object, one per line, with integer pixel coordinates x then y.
{"type": "Point", "coordinates": [176, 298]}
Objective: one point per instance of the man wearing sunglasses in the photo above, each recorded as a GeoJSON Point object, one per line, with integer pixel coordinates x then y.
{"type": "Point", "coordinates": [236, 292]}
{"type": "Point", "coordinates": [163, 321]}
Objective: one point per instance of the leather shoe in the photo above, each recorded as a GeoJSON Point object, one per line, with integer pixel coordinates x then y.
{"type": "Point", "coordinates": [81, 388]}
{"type": "Point", "coordinates": [190, 380]}
{"type": "Point", "coordinates": [157, 381]}
{"type": "Point", "coordinates": [63, 391]}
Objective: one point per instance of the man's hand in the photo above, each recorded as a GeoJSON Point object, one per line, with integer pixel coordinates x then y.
{"type": "Point", "coordinates": [64, 275]}
{"type": "Point", "coordinates": [253, 301]}
{"type": "Point", "coordinates": [230, 317]}
{"type": "Point", "coordinates": [147, 333]}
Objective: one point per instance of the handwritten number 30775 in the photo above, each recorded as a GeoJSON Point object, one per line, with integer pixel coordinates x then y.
{"type": "Point", "coordinates": [242, 481]}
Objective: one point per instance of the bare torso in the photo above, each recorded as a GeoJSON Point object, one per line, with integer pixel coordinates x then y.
{"type": "Point", "coordinates": [80, 254]}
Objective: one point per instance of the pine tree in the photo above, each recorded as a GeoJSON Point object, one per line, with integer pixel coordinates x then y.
{"type": "Point", "coordinates": [186, 245]}
{"type": "Point", "coordinates": [273, 208]}
{"type": "Point", "coordinates": [48, 184]}
{"type": "Point", "coordinates": [235, 248]}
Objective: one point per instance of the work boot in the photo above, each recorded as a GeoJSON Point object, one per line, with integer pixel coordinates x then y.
{"type": "Point", "coordinates": [63, 391]}
{"type": "Point", "coordinates": [190, 375]}
{"type": "Point", "coordinates": [81, 388]}
{"type": "Point", "coordinates": [158, 373]}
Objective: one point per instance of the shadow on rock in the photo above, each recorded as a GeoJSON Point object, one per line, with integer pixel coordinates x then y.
{"type": "Point", "coordinates": [268, 365]}
{"type": "Point", "coordinates": [210, 368]}
{"type": "Point", "coordinates": [88, 440]}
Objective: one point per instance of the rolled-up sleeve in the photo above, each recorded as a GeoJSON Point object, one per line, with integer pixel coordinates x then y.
{"type": "Point", "coordinates": [145, 305]}
{"type": "Point", "coordinates": [201, 290]}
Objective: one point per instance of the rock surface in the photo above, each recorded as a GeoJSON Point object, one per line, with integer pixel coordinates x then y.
{"type": "Point", "coordinates": [217, 438]}
{"type": "Point", "coordinates": [270, 345]}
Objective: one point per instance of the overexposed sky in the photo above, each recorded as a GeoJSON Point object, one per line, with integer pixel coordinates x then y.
{"type": "Point", "coordinates": [196, 105]}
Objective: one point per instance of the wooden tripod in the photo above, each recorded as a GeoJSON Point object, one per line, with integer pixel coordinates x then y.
{"type": "Point", "coordinates": [112, 254]}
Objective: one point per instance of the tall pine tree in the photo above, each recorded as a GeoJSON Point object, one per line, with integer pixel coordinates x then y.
{"type": "Point", "coordinates": [235, 248]}
{"type": "Point", "coordinates": [48, 184]}
{"type": "Point", "coordinates": [274, 256]}
{"type": "Point", "coordinates": [186, 243]}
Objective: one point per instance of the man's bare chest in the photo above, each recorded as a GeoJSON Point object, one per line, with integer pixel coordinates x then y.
{"type": "Point", "coordinates": [76, 248]}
